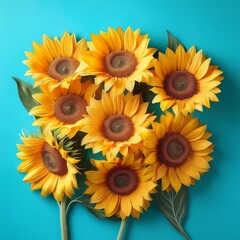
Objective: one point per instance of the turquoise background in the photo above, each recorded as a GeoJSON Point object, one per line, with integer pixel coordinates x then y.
{"type": "Point", "coordinates": [214, 26]}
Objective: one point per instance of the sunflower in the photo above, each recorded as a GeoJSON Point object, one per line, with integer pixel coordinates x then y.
{"type": "Point", "coordinates": [121, 187]}
{"type": "Point", "coordinates": [63, 108]}
{"type": "Point", "coordinates": [118, 59]}
{"type": "Point", "coordinates": [178, 149]}
{"type": "Point", "coordinates": [114, 124]}
{"type": "Point", "coordinates": [184, 80]}
{"type": "Point", "coordinates": [54, 63]}
{"type": "Point", "coordinates": [48, 164]}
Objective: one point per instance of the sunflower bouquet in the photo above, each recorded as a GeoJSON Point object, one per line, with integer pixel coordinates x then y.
{"type": "Point", "coordinates": [98, 141]}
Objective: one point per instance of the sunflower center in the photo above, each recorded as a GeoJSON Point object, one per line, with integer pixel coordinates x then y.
{"type": "Point", "coordinates": [53, 160]}
{"type": "Point", "coordinates": [173, 150]}
{"type": "Point", "coordinates": [120, 63]}
{"type": "Point", "coordinates": [180, 84]}
{"type": "Point", "coordinates": [122, 180]}
{"type": "Point", "coordinates": [70, 108]}
{"type": "Point", "coordinates": [118, 128]}
{"type": "Point", "coordinates": [62, 67]}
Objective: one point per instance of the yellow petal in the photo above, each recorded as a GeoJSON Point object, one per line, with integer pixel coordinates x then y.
{"type": "Point", "coordinates": [126, 206]}
{"type": "Point", "coordinates": [205, 87]}
{"type": "Point", "coordinates": [161, 172]}
{"type": "Point", "coordinates": [114, 40]}
{"type": "Point", "coordinates": [137, 200]}
{"type": "Point", "coordinates": [199, 161]}
{"type": "Point", "coordinates": [129, 40]}
{"type": "Point", "coordinates": [66, 45]}
{"type": "Point", "coordinates": [100, 45]}
{"type": "Point", "coordinates": [196, 133]}
{"type": "Point", "coordinates": [165, 182]}
{"type": "Point", "coordinates": [36, 174]}
{"type": "Point", "coordinates": [190, 171]}
{"type": "Point", "coordinates": [49, 185]}
{"type": "Point", "coordinates": [111, 204]}
{"type": "Point", "coordinates": [190, 126]}
{"type": "Point", "coordinates": [151, 158]}
{"type": "Point", "coordinates": [203, 69]}
{"type": "Point", "coordinates": [96, 177]}
{"type": "Point", "coordinates": [172, 58]}
{"type": "Point", "coordinates": [181, 58]}
{"type": "Point", "coordinates": [174, 180]}
{"type": "Point", "coordinates": [132, 106]}
{"type": "Point", "coordinates": [183, 177]}
{"type": "Point", "coordinates": [196, 62]}
{"type": "Point", "coordinates": [200, 145]}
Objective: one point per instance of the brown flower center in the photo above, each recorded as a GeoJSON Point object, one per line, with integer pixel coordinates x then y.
{"type": "Point", "coordinates": [62, 67]}
{"type": "Point", "coordinates": [122, 180]}
{"type": "Point", "coordinates": [120, 63]}
{"type": "Point", "coordinates": [70, 108]}
{"type": "Point", "coordinates": [173, 150]}
{"type": "Point", "coordinates": [180, 84]}
{"type": "Point", "coordinates": [118, 128]}
{"type": "Point", "coordinates": [53, 160]}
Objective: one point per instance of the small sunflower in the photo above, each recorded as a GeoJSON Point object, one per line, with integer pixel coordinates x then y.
{"type": "Point", "coordinates": [114, 124]}
{"type": "Point", "coordinates": [54, 63]}
{"type": "Point", "coordinates": [48, 164]}
{"type": "Point", "coordinates": [178, 149]}
{"type": "Point", "coordinates": [118, 59]}
{"type": "Point", "coordinates": [184, 80]}
{"type": "Point", "coordinates": [121, 187]}
{"type": "Point", "coordinates": [63, 108]}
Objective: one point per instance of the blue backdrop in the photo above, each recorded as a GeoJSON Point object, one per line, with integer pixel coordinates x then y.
{"type": "Point", "coordinates": [213, 26]}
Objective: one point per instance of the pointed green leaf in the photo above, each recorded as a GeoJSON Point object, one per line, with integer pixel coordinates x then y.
{"type": "Point", "coordinates": [173, 206]}
{"type": "Point", "coordinates": [173, 42]}
{"type": "Point", "coordinates": [25, 92]}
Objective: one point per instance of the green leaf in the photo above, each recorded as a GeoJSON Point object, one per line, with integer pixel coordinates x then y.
{"type": "Point", "coordinates": [25, 92]}
{"type": "Point", "coordinates": [144, 89]}
{"type": "Point", "coordinates": [173, 42]}
{"type": "Point", "coordinates": [85, 200]}
{"type": "Point", "coordinates": [173, 206]}
{"type": "Point", "coordinates": [86, 78]}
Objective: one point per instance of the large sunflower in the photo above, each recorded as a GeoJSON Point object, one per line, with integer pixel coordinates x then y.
{"type": "Point", "coordinates": [179, 150]}
{"type": "Point", "coordinates": [63, 108]}
{"type": "Point", "coordinates": [185, 80]}
{"type": "Point", "coordinates": [118, 59]}
{"type": "Point", "coordinates": [48, 165]}
{"type": "Point", "coordinates": [121, 187]}
{"type": "Point", "coordinates": [54, 63]}
{"type": "Point", "coordinates": [114, 124]}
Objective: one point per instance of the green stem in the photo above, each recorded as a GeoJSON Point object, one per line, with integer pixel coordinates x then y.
{"type": "Point", "coordinates": [63, 219]}
{"type": "Point", "coordinates": [121, 230]}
